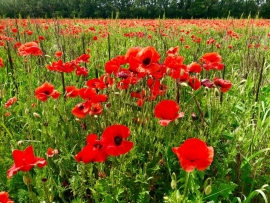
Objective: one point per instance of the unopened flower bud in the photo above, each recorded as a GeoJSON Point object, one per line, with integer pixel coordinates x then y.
{"type": "Point", "coordinates": [36, 115]}
{"type": "Point", "coordinates": [173, 184]}
{"type": "Point", "coordinates": [26, 111]}
{"type": "Point", "coordinates": [242, 82]}
{"type": "Point", "coordinates": [20, 143]}
{"type": "Point", "coordinates": [26, 180]}
{"type": "Point", "coordinates": [216, 91]}
{"type": "Point", "coordinates": [208, 189]}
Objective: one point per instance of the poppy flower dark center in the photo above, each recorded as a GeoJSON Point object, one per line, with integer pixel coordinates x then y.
{"type": "Point", "coordinates": [123, 75]}
{"type": "Point", "coordinates": [46, 92]}
{"type": "Point", "coordinates": [81, 107]}
{"type": "Point", "coordinates": [99, 146]}
{"type": "Point", "coordinates": [118, 140]}
{"type": "Point", "coordinates": [146, 61]}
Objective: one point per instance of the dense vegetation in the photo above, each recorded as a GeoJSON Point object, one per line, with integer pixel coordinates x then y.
{"type": "Point", "coordinates": [63, 80]}
{"type": "Point", "coordinates": [135, 8]}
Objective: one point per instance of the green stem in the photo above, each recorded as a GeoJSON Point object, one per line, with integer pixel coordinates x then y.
{"type": "Point", "coordinates": [186, 186]}
{"type": "Point", "coordinates": [29, 187]}
{"type": "Point", "coordinates": [46, 191]}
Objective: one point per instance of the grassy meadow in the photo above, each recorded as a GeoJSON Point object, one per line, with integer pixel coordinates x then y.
{"type": "Point", "coordinates": [134, 110]}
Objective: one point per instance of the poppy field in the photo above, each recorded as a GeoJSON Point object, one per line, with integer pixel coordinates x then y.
{"type": "Point", "coordinates": [134, 110]}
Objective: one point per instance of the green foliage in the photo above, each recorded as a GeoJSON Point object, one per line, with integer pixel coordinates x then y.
{"type": "Point", "coordinates": [235, 123]}
{"type": "Point", "coordinates": [134, 9]}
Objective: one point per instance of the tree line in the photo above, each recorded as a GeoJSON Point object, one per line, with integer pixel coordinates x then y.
{"type": "Point", "coordinates": [134, 8]}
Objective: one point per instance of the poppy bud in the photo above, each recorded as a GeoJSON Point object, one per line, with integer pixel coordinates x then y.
{"type": "Point", "coordinates": [184, 84]}
{"type": "Point", "coordinates": [208, 189]}
{"type": "Point", "coordinates": [51, 198]}
{"type": "Point", "coordinates": [173, 184]}
{"type": "Point", "coordinates": [20, 143]}
{"type": "Point", "coordinates": [26, 180]}
{"type": "Point", "coordinates": [216, 92]}
{"type": "Point", "coordinates": [36, 115]}
{"type": "Point", "coordinates": [26, 111]}
{"type": "Point", "coordinates": [242, 82]}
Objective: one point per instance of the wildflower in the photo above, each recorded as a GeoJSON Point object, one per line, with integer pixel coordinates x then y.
{"type": "Point", "coordinates": [167, 111]}
{"type": "Point", "coordinates": [58, 54]}
{"type": "Point", "coordinates": [72, 91]}
{"type": "Point", "coordinates": [10, 102]}
{"type": "Point", "coordinates": [81, 71]}
{"type": "Point", "coordinates": [1, 63]}
{"type": "Point", "coordinates": [114, 136]}
{"type": "Point", "coordinates": [4, 198]}
{"type": "Point", "coordinates": [194, 153]}
{"type": "Point", "coordinates": [212, 61]}
{"type": "Point", "coordinates": [14, 30]}
{"type": "Point", "coordinates": [172, 51]}
{"type": "Point", "coordinates": [224, 85]}
{"type": "Point", "coordinates": [83, 58]}
{"type": "Point", "coordinates": [25, 161]}
{"type": "Point", "coordinates": [207, 83]}
{"type": "Point", "coordinates": [94, 151]}
{"type": "Point", "coordinates": [51, 152]}
{"type": "Point", "coordinates": [45, 91]}
{"type": "Point", "coordinates": [82, 109]}
{"type": "Point", "coordinates": [41, 37]}
{"type": "Point", "coordinates": [145, 60]}
{"type": "Point", "coordinates": [194, 68]}
{"type": "Point", "coordinates": [194, 83]}
{"type": "Point", "coordinates": [29, 48]}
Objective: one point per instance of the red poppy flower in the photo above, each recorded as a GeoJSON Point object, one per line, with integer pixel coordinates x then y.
{"type": "Point", "coordinates": [107, 80]}
{"type": "Point", "coordinates": [51, 152]}
{"type": "Point", "coordinates": [94, 151]}
{"type": "Point", "coordinates": [167, 111]}
{"type": "Point", "coordinates": [29, 48]}
{"type": "Point", "coordinates": [41, 38]}
{"type": "Point", "coordinates": [90, 94]}
{"type": "Point", "coordinates": [114, 137]}
{"type": "Point", "coordinates": [25, 161]}
{"type": "Point", "coordinates": [62, 67]}
{"type": "Point", "coordinates": [156, 88]}
{"type": "Point", "coordinates": [145, 61]}
{"type": "Point", "coordinates": [174, 62]}
{"type": "Point", "coordinates": [194, 68]}
{"type": "Point", "coordinates": [14, 30]}
{"type": "Point", "coordinates": [132, 52]}
{"type": "Point", "coordinates": [83, 58]}
{"type": "Point", "coordinates": [72, 91]}
{"type": "Point", "coordinates": [212, 57]}
{"type": "Point", "coordinates": [172, 51]}
{"type": "Point", "coordinates": [112, 66]}
{"type": "Point", "coordinates": [207, 83]}
{"type": "Point", "coordinates": [81, 71]}
{"type": "Point", "coordinates": [10, 102]}
{"type": "Point", "coordinates": [82, 109]}
{"type": "Point", "coordinates": [58, 54]}
{"type": "Point", "coordinates": [17, 45]}
{"type": "Point", "coordinates": [194, 83]}
{"type": "Point", "coordinates": [45, 91]}
{"type": "Point", "coordinates": [212, 61]}
{"type": "Point", "coordinates": [95, 109]}
{"type": "Point", "coordinates": [29, 32]}
{"type": "Point", "coordinates": [1, 63]}
{"type": "Point", "coordinates": [4, 198]}
{"type": "Point", "coordinates": [224, 85]}
{"type": "Point", "coordinates": [181, 73]}
{"type": "Point", "coordinates": [194, 153]}
{"type": "Point", "coordinates": [95, 83]}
